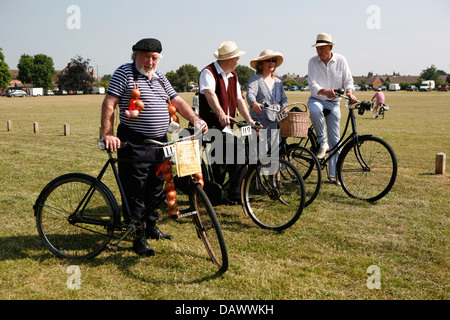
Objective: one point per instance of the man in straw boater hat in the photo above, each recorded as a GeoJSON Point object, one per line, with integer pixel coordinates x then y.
{"type": "Point", "coordinates": [220, 96]}
{"type": "Point", "coordinates": [328, 71]}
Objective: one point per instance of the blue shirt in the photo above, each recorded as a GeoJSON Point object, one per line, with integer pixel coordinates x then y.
{"type": "Point", "coordinates": [153, 121]}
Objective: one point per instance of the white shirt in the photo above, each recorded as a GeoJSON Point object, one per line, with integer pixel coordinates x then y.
{"type": "Point", "coordinates": [334, 75]}
{"type": "Point", "coordinates": [207, 81]}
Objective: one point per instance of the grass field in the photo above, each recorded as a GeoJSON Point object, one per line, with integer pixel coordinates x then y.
{"type": "Point", "coordinates": [325, 255]}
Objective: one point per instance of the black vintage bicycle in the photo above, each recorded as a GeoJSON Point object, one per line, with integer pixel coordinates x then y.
{"type": "Point", "coordinates": [304, 160]}
{"type": "Point", "coordinates": [272, 191]}
{"type": "Point", "coordinates": [367, 165]}
{"type": "Point", "coordinates": [77, 215]}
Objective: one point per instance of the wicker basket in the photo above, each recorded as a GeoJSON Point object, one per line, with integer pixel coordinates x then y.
{"type": "Point", "coordinates": [296, 124]}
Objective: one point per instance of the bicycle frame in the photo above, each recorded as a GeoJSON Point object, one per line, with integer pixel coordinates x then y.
{"type": "Point", "coordinates": [353, 136]}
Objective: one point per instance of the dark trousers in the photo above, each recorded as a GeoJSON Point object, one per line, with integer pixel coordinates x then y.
{"type": "Point", "coordinates": [230, 165]}
{"type": "Point", "coordinates": [139, 180]}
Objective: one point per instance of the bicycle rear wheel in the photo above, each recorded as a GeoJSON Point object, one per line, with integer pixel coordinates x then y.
{"type": "Point", "coordinates": [306, 162]}
{"type": "Point", "coordinates": [208, 228]}
{"type": "Point", "coordinates": [273, 195]}
{"type": "Point", "coordinates": [368, 170]}
{"type": "Point", "coordinates": [59, 208]}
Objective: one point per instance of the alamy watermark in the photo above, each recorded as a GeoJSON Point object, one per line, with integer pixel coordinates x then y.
{"type": "Point", "coordinates": [73, 21]}
{"type": "Point", "coordinates": [374, 281]}
{"type": "Point", "coordinates": [74, 280]}
{"type": "Point", "coordinates": [373, 22]}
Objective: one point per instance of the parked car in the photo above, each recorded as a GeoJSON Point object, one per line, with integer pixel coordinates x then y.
{"type": "Point", "coordinates": [383, 88]}
{"type": "Point", "coordinates": [293, 88]}
{"type": "Point", "coordinates": [304, 88]}
{"type": "Point", "coordinates": [411, 88]}
{"type": "Point", "coordinates": [49, 93]}
{"type": "Point", "coordinates": [357, 88]}
{"type": "Point", "coordinates": [16, 93]}
{"type": "Point", "coordinates": [365, 87]}
{"type": "Point", "coordinates": [443, 87]}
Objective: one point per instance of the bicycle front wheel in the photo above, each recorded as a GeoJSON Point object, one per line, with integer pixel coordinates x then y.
{"type": "Point", "coordinates": [273, 195]}
{"type": "Point", "coordinates": [367, 170]}
{"type": "Point", "coordinates": [208, 229]}
{"type": "Point", "coordinates": [63, 209]}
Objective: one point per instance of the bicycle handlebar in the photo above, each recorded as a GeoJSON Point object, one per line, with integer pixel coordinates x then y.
{"type": "Point", "coordinates": [340, 93]}
{"type": "Point", "coordinates": [241, 124]}
{"type": "Point", "coordinates": [196, 135]}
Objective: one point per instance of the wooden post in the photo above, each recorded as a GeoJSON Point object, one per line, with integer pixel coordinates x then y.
{"type": "Point", "coordinates": [440, 163]}
{"type": "Point", "coordinates": [36, 127]}
{"type": "Point", "coordinates": [66, 130]}
{"type": "Point", "coordinates": [9, 125]}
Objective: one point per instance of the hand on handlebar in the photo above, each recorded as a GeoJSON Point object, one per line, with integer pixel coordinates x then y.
{"type": "Point", "coordinates": [112, 143]}
{"type": "Point", "coordinates": [257, 107]}
{"type": "Point", "coordinates": [351, 97]}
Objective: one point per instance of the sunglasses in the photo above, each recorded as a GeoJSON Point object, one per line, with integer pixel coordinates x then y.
{"type": "Point", "coordinates": [271, 60]}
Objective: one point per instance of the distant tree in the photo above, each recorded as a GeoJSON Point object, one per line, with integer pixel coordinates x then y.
{"type": "Point", "coordinates": [38, 70]}
{"type": "Point", "coordinates": [291, 82]}
{"type": "Point", "coordinates": [77, 76]}
{"type": "Point", "coordinates": [184, 76]}
{"type": "Point", "coordinates": [43, 71]}
{"type": "Point", "coordinates": [431, 73]}
{"type": "Point", "coordinates": [5, 75]}
{"type": "Point", "coordinates": [25, 67]}
{"type": "Point", "coordinates": [244, 74]}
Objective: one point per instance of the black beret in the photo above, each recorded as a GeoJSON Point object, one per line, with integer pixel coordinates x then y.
{"type": "Point", "coordinates": [148, 45]}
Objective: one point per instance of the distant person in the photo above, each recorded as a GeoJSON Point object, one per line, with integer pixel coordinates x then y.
{"type": "Point", "coordinates": [220, 97]}
{"type": "Point", "coordinates": [327, 72]}
{"type": "Point", "coordinates": [265, 87]}
{"type": "Point", "coordinates": [379, 97]}
{"type": "Point", "coordinates": [195, 102]}
{"type": "Point", "coordinates": [140, 182]}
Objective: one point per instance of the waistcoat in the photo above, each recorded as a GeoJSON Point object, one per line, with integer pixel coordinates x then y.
{"type": "Point", "coordinates": [227, 98]}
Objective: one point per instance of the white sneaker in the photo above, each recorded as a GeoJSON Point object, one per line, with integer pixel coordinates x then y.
{"type": "Point", "coordinates": [322, 150]}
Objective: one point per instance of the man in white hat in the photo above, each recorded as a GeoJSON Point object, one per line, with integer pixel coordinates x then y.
{"type": "Point", "coordinates": [220, 96]}
{"type": "Point", "coordinates": [327, 72]}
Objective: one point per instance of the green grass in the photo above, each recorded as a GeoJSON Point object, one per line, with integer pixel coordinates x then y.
{"type": "Point", "coordinates": [325, 255]}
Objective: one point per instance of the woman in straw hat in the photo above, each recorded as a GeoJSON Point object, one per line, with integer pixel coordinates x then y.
{"type": "Point", "coordinates": [265, 87]}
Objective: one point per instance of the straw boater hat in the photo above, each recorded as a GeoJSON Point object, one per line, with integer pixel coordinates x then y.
{"type": "Point", "coordinates": [228, 50]}
{"type": "Point", "coordinates": [267, 54]}
{"type": "Point", "coordinates": [323, 39]}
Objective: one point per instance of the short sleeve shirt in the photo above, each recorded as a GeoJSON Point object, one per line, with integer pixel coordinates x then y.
{"type": "Point", "coordinates": [153, 121]}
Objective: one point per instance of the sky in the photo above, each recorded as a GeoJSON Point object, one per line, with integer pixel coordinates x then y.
{"type": "Point", "coordinates": [379, 36]}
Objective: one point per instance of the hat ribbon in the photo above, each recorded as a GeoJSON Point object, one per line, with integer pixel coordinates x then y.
{"type": "Point", "coordinates": [221, 56]}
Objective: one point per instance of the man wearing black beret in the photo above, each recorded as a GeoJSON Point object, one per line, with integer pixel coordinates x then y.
{"type": "Point", "coordinates": [141, 183]}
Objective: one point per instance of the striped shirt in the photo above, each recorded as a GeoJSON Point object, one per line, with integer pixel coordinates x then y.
{"type": "Point", "coordinates": [153, 121]}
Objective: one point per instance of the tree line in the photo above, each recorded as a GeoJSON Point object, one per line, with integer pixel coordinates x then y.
{"type": "Point", "coordinates": [78, 75]}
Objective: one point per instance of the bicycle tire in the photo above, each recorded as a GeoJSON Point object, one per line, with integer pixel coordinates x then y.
{"type": "Point", "coordinates": [381, 114]}
{"type": "Point", "coordinates": [55, 205]}
{"type": "Point", "coordinates": [269, 205]}
{"type": "Point", "coordinates": [309, 167]}
{"type": "Point", "coordinates": [208, 228]}
{"type": "Point", "coordinates": [374, 182]}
